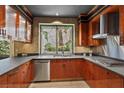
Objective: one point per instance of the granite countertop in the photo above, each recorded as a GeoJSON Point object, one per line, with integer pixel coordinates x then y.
{"type": "Point", "coordinates": [11, 63]}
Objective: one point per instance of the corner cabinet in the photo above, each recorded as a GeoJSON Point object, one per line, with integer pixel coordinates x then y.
{"type": "Point", "coordinates": [19, 77]}
{"type": "Point", "coordinates": [99, 77]}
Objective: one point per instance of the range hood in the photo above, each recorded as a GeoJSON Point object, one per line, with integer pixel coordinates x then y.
{"type": "Point", "coordinates": [102, 34]}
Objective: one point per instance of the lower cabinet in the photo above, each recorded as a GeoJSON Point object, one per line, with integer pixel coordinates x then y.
{"type": "Point", "coordinates": [99, 77]}
{"type": "Point", "coordinates": [20, 77]}
{"type": "Point", "coordinates": [65, 69]}
{"type": "Point", "coordinates": [3, 81]}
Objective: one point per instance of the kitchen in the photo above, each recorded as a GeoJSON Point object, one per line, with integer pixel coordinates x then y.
{"type": "Point", "coordinates": [61, 43]}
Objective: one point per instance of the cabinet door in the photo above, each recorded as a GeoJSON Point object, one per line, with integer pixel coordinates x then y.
{"type": "Point", "coordinates": [31, 71]}
{"type": "Point", "coordinates": [13, 79]}
{"type": "Point", "coordinates": [75, 65]}
{"type": "Point", "coordinates": [11, 22]}
{"type": "Point", "coordinates": [91, 31]}
{"type": "Point", "coordinates": [99, 79]}
{"type": "Point", "coordinates": [114, 80]}
{"type": "Point", "coordinates": [24, 75]}
{"type": "Point", "coordinates": [83, 32]}
{"type": "Point", "coordinates": [121, 24]}
{"type": "Point", "coordinates": [65, 69]}
{"type": "Point", "coordinates": [3, 81]}
{"type": "Point", "coordinates": [56, 69]}
{"type": "Point", "coordinates": [2, 16]}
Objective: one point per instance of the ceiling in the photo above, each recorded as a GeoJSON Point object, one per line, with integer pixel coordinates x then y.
{"type": "Point", "coordinates": [60, 10]}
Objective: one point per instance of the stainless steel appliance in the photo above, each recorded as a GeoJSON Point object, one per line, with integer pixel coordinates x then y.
{"type": "Point", "coordinates": [42, 70]}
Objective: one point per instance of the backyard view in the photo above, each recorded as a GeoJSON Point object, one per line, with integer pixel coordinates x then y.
{"type": "Point", "coordinates": [56, 38]}
{"type": "Point", "coordinates": [4, 48]}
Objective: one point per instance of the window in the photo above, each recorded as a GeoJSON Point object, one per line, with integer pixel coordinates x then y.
{"type": "Point", "coordinates": [4, 48]}
{"type": "Point", "coordinates": [10, 22]}
{"type": "Point", "coordinates": [22, 28]}
{"type": "Point", "coordinates": [56, 38]}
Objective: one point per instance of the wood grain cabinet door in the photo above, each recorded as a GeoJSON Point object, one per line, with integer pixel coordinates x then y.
{"type": "Point", "coordinates": [2, 16]}
{"type": "Point", "coordinates": [3, 81]}
{"type": "Point", "coordinates": [13, 79]}
{"type": "Point", "coordinates": [121, 24]}
{"type": "Point", "coordinates": [114, 80]}
{"type": "Point", "coordinates": [56, 71]}
{"type": "Point", "coordinates": [64, 69]}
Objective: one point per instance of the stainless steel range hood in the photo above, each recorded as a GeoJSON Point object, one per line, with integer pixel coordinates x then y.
{"type": "Point", "coordinates": [102, 34]}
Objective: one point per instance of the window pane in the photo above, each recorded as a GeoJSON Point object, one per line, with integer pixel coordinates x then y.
{"type": "Point", "coordinates": [48, 39]}
{"type": "Point", "coordinates": [4, 48]}
{"type": "Point", "coordinates": [64, 39]}
{"type": "Point", "coordinates": [10, 22]}
{"type": "Point", "coordinates": [22, 29]}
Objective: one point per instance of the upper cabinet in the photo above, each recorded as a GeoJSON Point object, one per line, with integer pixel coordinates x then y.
{"type": "Point", "coordinates": [113, 23]}
{"type": "Point", "coordinates": [10, 21]}
{"type": "Point", "coordinates": [102, 24]}
{"type": "Point", "coordinates": [14, 25]}
{"type": "Point", "coordinates": [2, 16]}
{"type": "Point", "coordinates": [121, 24]}
{"type": "Point", "coordinates": [22, 29]}
{"type": "Point", "coordinates": [83, 34]}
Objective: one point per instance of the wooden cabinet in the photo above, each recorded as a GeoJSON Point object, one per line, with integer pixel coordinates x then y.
{"type": "Point", "coordinates": [65, 69]}
{"type": "Point", "coordinates": [2, 16]}
{"type": "Point", "coordinates": [14, 25]}
{"type": "Point", "coordinates": [121, 24]}
{"type": "Point", "coordinates": [99, 77]}
{"type": "Point", "coordinates": [113, 23]}
{"type": "Point", "coordinates": [13, 79]}
{"type": "Point", "coordinates": [3, 81]}
{"type": "Point", "coordinates": [114, 80]}
{"type": "Point", "coordinates": [93, 28]}
{"type": "Point", "coordinates": [20, 77]}
{"type": "Point", "coordinates": [83, 34]}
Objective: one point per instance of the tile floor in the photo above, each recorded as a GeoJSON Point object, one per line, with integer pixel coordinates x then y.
{"type": "Point", "coordinates": [62, 84]}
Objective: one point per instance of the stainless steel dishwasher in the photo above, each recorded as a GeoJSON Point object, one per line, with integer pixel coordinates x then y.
{"type": "Point", "coordinates": [42, 70]}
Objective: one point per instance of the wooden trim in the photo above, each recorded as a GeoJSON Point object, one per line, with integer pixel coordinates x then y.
{"type": "Point", "coordinates": [93, 9]}
{"type": "Point", "coordinates": [23, 12]}
{"type": "Point", "coordinates": [17, 23]}
{"type": "Point", "coordinates": [91, 14]}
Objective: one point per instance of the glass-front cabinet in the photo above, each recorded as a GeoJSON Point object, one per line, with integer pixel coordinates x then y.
{"type": "Point", "coordinates": [13, 25]}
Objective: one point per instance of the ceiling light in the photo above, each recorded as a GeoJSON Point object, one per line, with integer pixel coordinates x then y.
{"type": "Point", "coordinates": [57, 14]}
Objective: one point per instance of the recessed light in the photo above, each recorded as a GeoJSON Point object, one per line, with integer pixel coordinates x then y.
{"type": "Point", "coordinates": [57, 14]}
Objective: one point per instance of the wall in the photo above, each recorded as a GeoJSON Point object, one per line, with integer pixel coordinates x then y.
{"type": "Point", "coordinates": [20, 47]}
{"type": "Point", "coordinates": [111, 48]}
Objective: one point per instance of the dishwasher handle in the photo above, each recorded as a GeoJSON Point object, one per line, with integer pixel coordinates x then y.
{"type": "Point", "coordinates": [41, 61]}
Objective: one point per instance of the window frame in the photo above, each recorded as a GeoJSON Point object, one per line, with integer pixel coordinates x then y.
{"type": "Point", "coordinates": [56, 24]}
